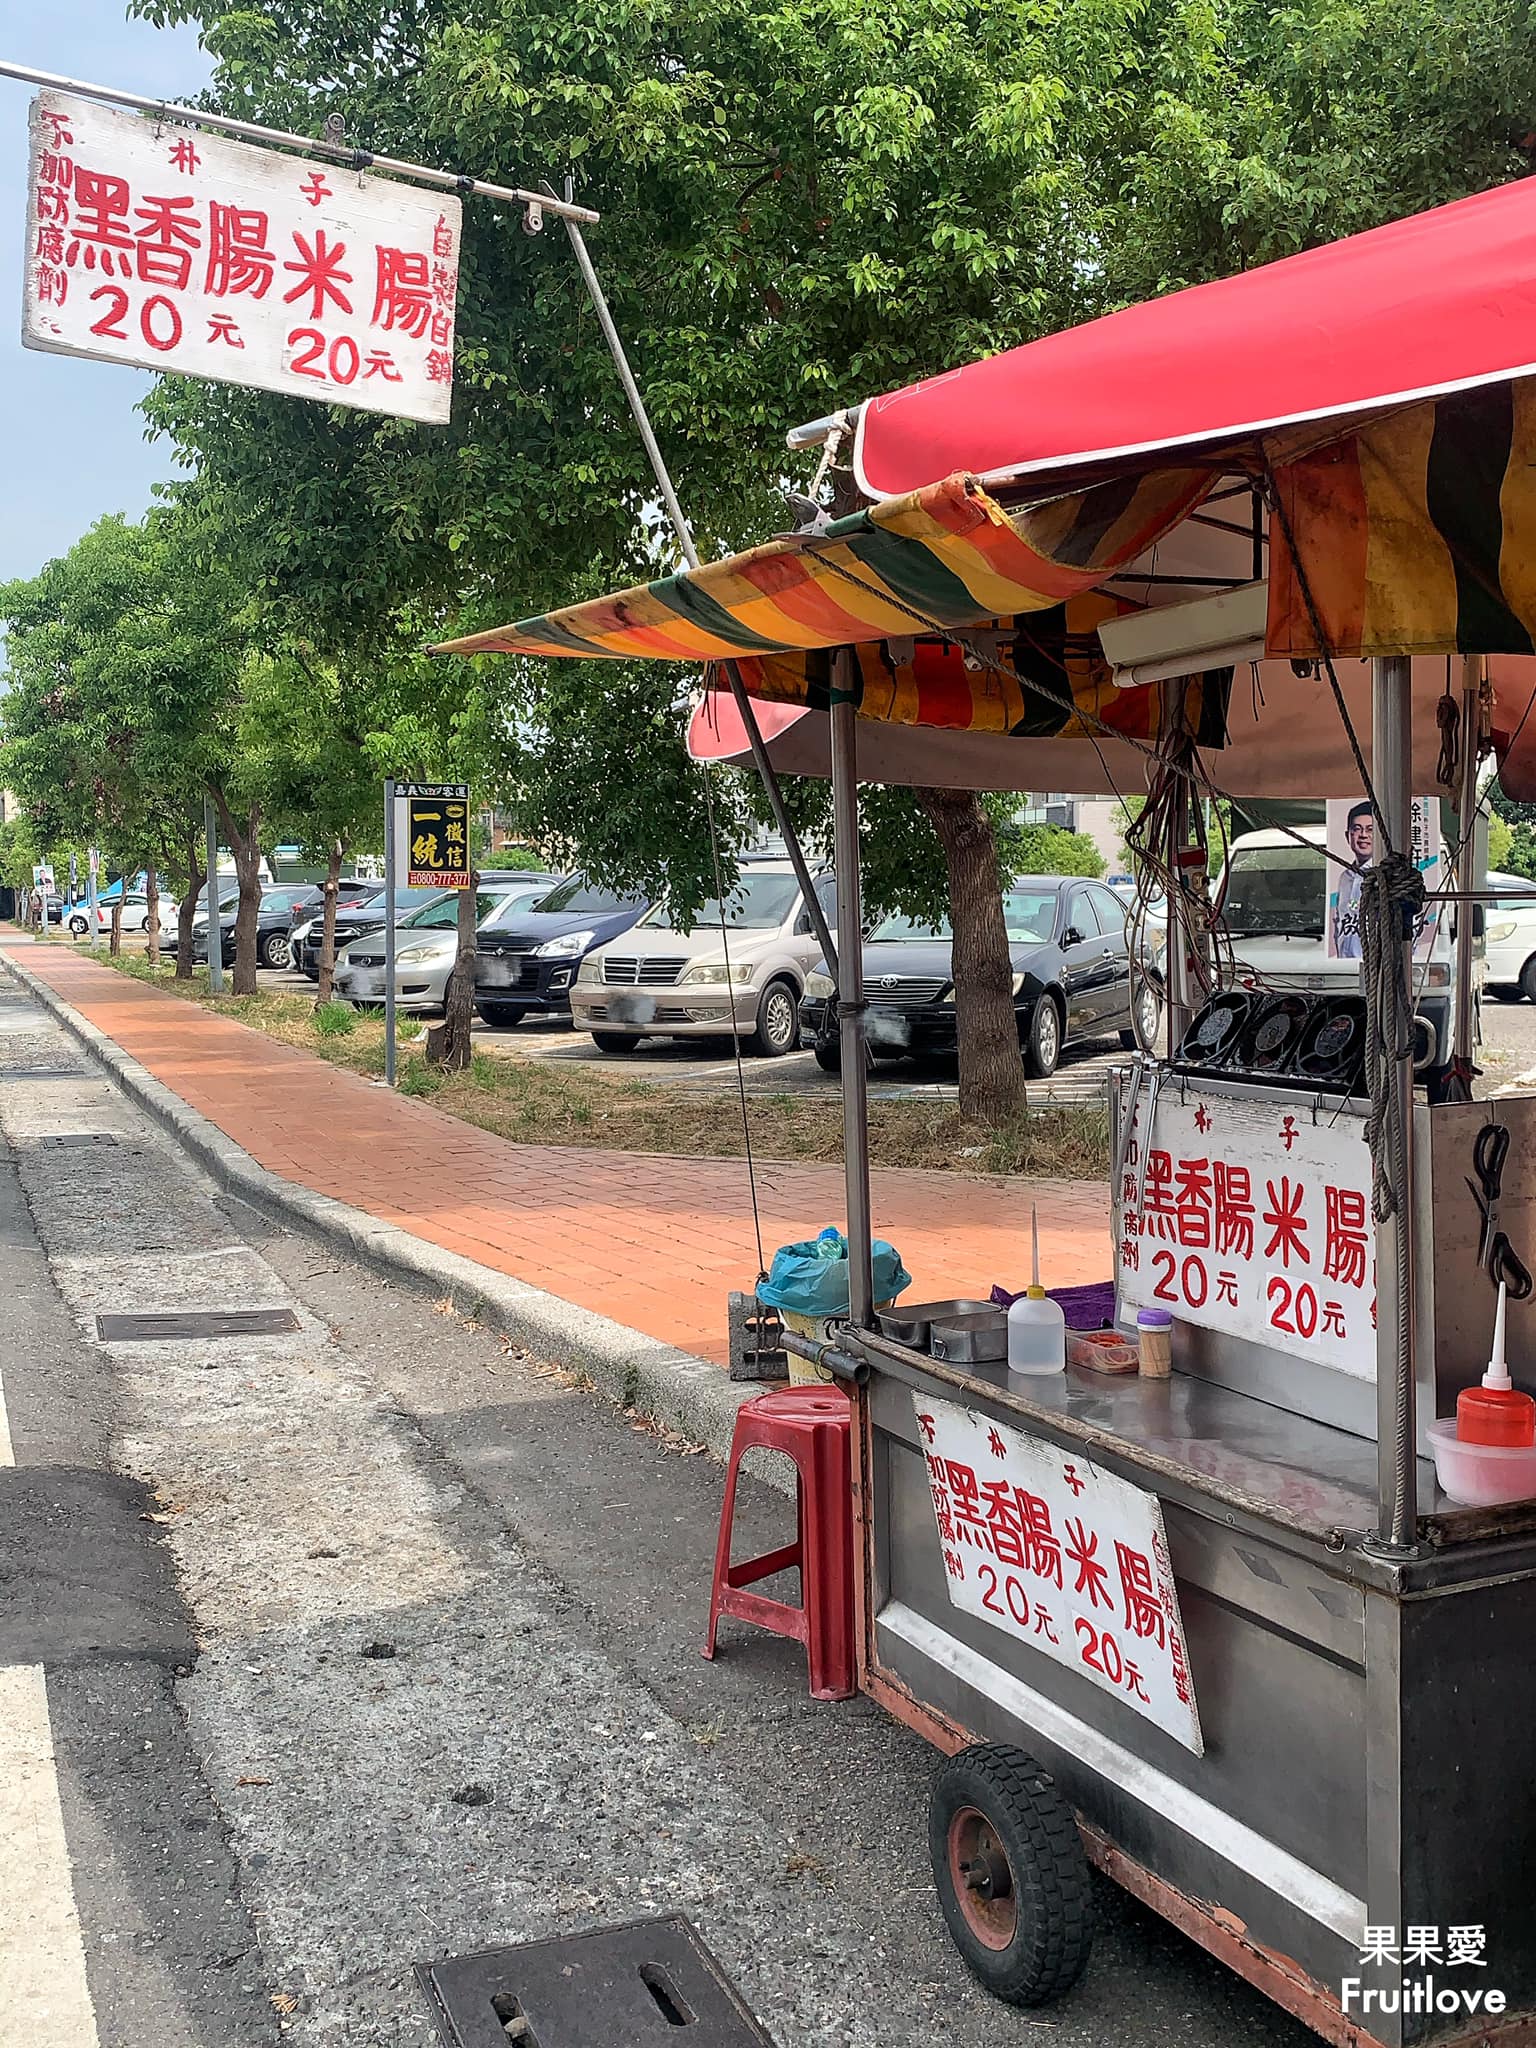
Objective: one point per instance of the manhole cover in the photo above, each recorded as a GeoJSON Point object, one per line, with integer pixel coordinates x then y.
{"type": "Point", "coordinates": [62, 1138]}
{"type": "Point", "coordinates": [641, 1985]}
{"type": "Point", "coordinates": [169, 1324]}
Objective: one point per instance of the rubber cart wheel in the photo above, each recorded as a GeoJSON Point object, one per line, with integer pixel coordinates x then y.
{"type": "Point", "coordinates": [1011, 1874]}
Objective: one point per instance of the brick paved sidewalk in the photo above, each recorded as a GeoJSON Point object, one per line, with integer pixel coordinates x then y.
{"type": "Point", "coordinates": [653, 1241]}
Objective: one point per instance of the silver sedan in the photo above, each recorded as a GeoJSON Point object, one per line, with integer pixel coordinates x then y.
{"type": "Point", "coordinates": [427, 942]}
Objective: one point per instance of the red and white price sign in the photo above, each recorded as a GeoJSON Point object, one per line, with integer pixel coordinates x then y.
{"type": "Point", "coordinates": [174, 250]}
{"type": "Point", "coordinates": [1064, 1556]}
{"type": "Point", "coordinates": [1252, 1218]}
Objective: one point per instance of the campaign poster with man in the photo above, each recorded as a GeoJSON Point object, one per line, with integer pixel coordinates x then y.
{"type": "Point", "coordinates": [1352, 849]}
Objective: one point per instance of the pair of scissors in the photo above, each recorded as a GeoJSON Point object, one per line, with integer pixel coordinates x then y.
{"type": "Point", "coordinates": [1495, 1254]}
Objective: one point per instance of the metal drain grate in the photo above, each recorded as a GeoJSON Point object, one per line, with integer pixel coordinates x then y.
{"type": "Point", "coordinates": [641, 1985]}
{"type": "Point", "coordinates": [41, 1073]}
{"type": "Point", "coordinates": [62, 1138]}
{"type": "Point", "coordinates": [169, 1324]}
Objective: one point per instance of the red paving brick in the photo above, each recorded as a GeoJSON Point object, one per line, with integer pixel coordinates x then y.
{"type": "Point", "coordinates": [655, 1242]}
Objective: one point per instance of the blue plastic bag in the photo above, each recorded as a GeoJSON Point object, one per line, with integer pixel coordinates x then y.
{"type": "Point", "coordinates": [811, 1279]}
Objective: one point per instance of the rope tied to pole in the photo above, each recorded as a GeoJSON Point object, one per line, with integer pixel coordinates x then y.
{"type": "Point", "coordinates": [1391, 901]}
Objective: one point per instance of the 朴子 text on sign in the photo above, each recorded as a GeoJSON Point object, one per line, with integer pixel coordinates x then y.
{"type": "Point", "coordinates": [169, 249]}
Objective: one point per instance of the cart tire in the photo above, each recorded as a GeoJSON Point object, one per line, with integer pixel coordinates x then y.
{"type": "Point", "coordinates": [1026, 1929]}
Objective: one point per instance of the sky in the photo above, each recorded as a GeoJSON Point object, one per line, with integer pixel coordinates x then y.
{"type": "Point", "coordinates": [73, 444]}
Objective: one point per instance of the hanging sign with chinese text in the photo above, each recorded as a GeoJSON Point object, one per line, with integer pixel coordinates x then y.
{"type": "Point", "coordinates": [171, 249]}
{"type": "Point", "coordinates": [1063, 1555]}
{"type": "Point", "coordinates": [1252, 1218]}
{"type": "Point", "coordinates": [432, 832]}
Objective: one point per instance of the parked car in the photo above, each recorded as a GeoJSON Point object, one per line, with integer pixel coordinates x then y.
{"type": "Point", "coordinates": [350, 889]}
{"type": "Point", "coordinates": [272, 914]}
{"type": "Point", "coordinates": [1071, 979]}
{"type": "Point", "coordinates": [660, 982]}
{"type": "Point", "coordinates": [135, 916]}
{"type": "Point", "coordinates": [427, 943]}
{"type": "Point", "coordinates": [1509, 937]}
{"type": "Point", "coordinates": [354, 920]}
{"type": "Point", "coordinates": [526, 960]}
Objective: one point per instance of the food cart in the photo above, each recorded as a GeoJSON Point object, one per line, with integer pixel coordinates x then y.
{"type": "Point", "coordinates": [1225, 1620]}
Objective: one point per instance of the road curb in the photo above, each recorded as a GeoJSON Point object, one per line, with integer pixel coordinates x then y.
{"type": "Point", "coordinates": [638, 1373]}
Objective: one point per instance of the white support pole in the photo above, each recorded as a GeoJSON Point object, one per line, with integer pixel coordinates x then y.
{"type": "Point", "coordinates": [389, 935]}
{"type": "Point", "coordinates": [211, 880]}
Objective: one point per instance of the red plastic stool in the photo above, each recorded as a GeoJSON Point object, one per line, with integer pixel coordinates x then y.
{"type": "Point", "coordinates": [814, 1426]}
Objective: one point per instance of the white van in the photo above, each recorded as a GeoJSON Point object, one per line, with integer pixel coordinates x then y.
{"type": "Point", "coordinates": [1511, 936]}
{"type": "Point", "coordinates": [1273, 898]}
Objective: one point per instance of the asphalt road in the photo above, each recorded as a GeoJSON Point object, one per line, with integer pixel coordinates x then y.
{"type": "Point", "coordinates": [377, 1641]}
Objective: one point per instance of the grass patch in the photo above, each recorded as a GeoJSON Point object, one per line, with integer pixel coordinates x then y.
{"type": "Point", "coordinates": [545, 1102]}
{"type": "Point", "coordinates": [335, 1020]}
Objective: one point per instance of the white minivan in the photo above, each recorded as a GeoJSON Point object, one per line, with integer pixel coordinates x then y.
{"type": "Point", "coordinates": [1273, 897]}
{"type": "Point", "coordinates": [741, 970]}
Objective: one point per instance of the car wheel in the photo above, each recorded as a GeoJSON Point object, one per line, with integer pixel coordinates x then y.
{"type": "Point", "coordinates": [78, 927]}
{"type": "Point", "coordinates": [274, 951]}
{"type": "Point", "coordinates": [1042, 1041]}
{"type": "Point", "coordinates": [1528, 979]}
{"type": "Point", "coordinates": [500, 1016]}
{"type": "Point", "coordinates": [778, 1022]}
{"type": "Point", "coordinates": [1149, 1013]}
{"type": "Point", "coordinates": [615, 1041]}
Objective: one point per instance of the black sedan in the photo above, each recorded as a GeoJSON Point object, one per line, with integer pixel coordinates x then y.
{"type": "Point", "coordinates": [526, 960]}
{"type": "Point", "coordinates": [273, 922]}
{"type": "Point", "coordinates": [1071, 979]}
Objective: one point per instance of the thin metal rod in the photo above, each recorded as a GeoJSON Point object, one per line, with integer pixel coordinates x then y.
{"type": "Point", "coordinates": [215, 929]}
{"type": "Point", "coordinates": [1396, 1446]}
{"type": "Point", "coordinates": [669, 499]}
{"type": "Point", "coordinates": [389, 935]}
{"type": "Point", "coordinates": [850, 990]}
{"type": "Point", "coordinates": [1467, 863]}
{"type": "Point", "coordinates": [336, 152]}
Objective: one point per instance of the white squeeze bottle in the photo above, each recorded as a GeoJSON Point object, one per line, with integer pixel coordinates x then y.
{"type": "Point", "coordinates": [1037, 1329]}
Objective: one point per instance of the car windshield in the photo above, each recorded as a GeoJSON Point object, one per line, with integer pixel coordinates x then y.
{"type": "Point", "coordinates": [758, 903]}
{"type": "Point", "coordinates": [585, 898]}
{"type": "Point", "coordinates": [1029, 916]}
{"type": "Point", "coordinates": [442, 914]}
{"type": "Point", "coordinates": [1276, 891]}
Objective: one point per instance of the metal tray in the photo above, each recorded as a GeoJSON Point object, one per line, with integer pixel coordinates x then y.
{"type": "Point", "coordinates": [913, 1323]}
{"type": "Point", "coordinates": [980, 1337]}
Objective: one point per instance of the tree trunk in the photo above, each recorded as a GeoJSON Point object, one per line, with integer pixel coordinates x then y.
{"type": "Point", "coordinates": [152, 912]}
{"type": "Point", "coordinates": [449, 1046]}
{"type": "Point", "coordinates": [328, 924]}
{"type": "Point", "coordinates": [188, 910]}
{"type": "Point", "coordinates": [115, 943]}
{"type": "Point", "coordinates": [245, 845]}
{"type": "Point", "coordinates": [991, 1066]}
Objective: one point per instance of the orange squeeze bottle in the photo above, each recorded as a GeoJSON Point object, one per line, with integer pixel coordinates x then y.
{"type": "Point", "coordinates": [1496, 1412]}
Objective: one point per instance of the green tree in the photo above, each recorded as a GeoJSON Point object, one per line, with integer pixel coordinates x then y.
{"type": "Point", "coordinates": [119, 665]}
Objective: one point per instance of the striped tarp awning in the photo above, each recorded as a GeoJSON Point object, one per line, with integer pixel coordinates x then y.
{"type": "Point", "coordinates": [1416, 532]}
{"type": "Point", "coordinates": [946, 556]}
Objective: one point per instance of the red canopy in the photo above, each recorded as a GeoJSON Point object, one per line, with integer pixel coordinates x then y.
{"type": "Point", "coordinates": [1432, 304]}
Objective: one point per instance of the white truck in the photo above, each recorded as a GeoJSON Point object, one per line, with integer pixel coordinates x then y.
{"type": "Point", "coordinates": [1273, 898]}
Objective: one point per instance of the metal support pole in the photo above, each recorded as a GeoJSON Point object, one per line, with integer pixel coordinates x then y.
{"type": "Point", "coordinates": [1396, 1447]}
{"type": "Point", "coordinates": [1176, 952]}
{"type": "Point", "coordinates": [690, 553]}
{"type": "Point", "coordinates": [850, 990]}
{"type": "Point", "coordinates": [1467, 862]}
{"type": "Point", "coordinates": [211, 879]}
{"type": "Point", "coordinates": [389, 935]}
{"type": "Point", "coordinates": [335, 152]}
